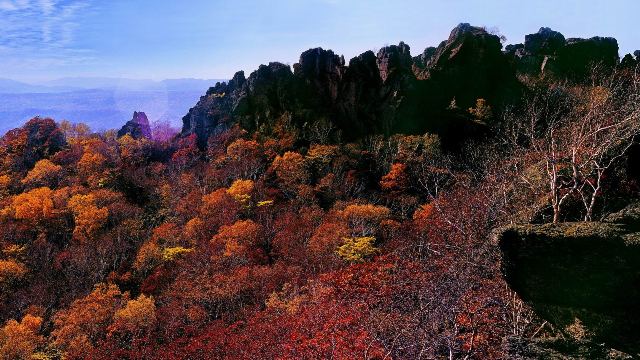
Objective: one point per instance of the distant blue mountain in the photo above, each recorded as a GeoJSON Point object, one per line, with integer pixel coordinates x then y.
{"type": "Point", "coordinates": [102, 103]}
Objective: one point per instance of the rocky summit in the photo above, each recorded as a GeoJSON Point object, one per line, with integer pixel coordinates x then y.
{"type": "Point", "coordinates": [138, 127]}
{"type": "Point", "coordinates": [391, 91]}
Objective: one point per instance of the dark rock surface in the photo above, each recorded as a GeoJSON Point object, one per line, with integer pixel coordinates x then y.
{"type": "Point", "coordinates": [391, 91]}
{"type": "Point", "coordinates": [548, 52]}
{"type": "Point", "coordinates": [374, 94]}
{"type": "Point", "coordinates": [580, 273]}
{"type": "Point", "coordinates": [544, 42]}
{"type": "Point", "coordinates": [138, 127]}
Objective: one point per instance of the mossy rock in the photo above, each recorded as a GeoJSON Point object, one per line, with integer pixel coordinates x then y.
{"type": "Point", "coordinates": [585, 273]}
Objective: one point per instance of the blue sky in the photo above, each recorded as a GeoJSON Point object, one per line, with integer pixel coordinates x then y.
{"type": "Point", "coordinates": [47, 39]}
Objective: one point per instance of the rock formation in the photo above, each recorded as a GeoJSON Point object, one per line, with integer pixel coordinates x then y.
{"type": "Point", "coordinates": [548, 52]}
{"type": "Point", "coordinates": [138, 127]}
{"type": "Point", "coordinates": [580, 275]}
{"type": "Point", "coordinates": [391, 92]}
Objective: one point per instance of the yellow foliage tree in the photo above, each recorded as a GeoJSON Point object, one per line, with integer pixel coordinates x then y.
{"type": "Point", "coordinates": [241, 190]}
{"type": "Point", "coordinates": [482, 111]}
{"type": "Point", "coordinates": [357, 249]}
{"type": "Point", "coordinates": [136, 318]}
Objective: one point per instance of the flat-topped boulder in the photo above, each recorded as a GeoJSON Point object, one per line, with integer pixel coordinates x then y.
{"type": "Point", "coordinates": [585, 273]}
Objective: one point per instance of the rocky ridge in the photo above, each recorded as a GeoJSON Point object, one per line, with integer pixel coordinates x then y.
{"type": "Point", "coordinates": [393, 92]}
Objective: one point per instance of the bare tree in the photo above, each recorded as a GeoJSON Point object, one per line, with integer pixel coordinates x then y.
{"type": "Point", "coordinates": [577, 133]}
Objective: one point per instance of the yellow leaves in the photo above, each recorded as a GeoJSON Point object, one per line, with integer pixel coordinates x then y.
{"type": "Point", "coordinates": [11, 272]}
{"type": "Point", "coordinates": [482, 111]}
{"type": "Point", "coordinates": [172, 253]}
{"type": "Point", "coordinates": [287, 300]}
{"type": "Point", "coordinates": [43, 173]}
{"type": "Point", "coordinates": [321, 155]}
{"type": "Point", "coordinates": [35, 205]}
{"type": "Point", "coordinates": [241, 190]}
{"type": "Point", "coordinates": [88, 217]}
{"type": "Point", "coordinates": [136, 317]}
{"type": "Point", "coordinates": [20, 340]}
{"type": "Point", "coordinates": [357, 249]}
{"type": "Point", "coordinates": [265, 203]}
{"type": "Point", "coordinates": [242, 148]}
{"type": "Point", "coordinates": [417, 148]}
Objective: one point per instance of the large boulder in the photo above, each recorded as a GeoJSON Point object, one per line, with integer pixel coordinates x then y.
{"type": "Point", "coordinates": [582, 277]}
{"type": "Point", "coordinates": [138, 127]}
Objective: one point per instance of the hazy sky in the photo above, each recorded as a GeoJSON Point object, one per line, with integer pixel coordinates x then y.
{"type": "Point", "coordinates": [45, 39]}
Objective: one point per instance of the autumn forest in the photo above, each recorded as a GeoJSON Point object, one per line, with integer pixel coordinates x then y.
{"type": "Point", "coordinates": [472, 202]}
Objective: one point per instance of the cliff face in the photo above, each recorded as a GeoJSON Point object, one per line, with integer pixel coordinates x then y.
{"type": "Point", "coordinates": [392, 92]}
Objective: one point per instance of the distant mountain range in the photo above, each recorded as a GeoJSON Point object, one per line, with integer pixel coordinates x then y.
{"type": "Point", "coordinates": [8, 86]}
{"type": "Point", "coordinates": [102, 103]}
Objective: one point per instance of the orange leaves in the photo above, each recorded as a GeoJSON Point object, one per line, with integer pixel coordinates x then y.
{"type": "Point", "coordinates": [396, 179]}
{"type": "Point", "coordinates": [78, 329]}
{"type": "Point", "coordinates": [35, 205]}
{"type": "Point", "coordinates": [219, 208]}
{"type": "Point", "coordinates": [240, 241]}
{"type": "Point", "coordinates": [20, 340]}
{"type": "Point", "coordinates": [43, 173]}
{"type": "Point", "coordinates": [291, 171]}
{"type": "Point", "coordinates": [363, 220]}
{"type": "Point", "coordinates": [11, 272]}
{"type": "Point", "coordinates": [88, 217]}
{"type": "Point", "coordinates": [423, 214]}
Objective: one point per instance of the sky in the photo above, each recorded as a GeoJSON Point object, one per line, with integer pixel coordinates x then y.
{"type": "Point", "coordinates": [212, 39]}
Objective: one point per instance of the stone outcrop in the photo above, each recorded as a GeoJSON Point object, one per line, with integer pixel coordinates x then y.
{"type": "Point", "coordinates": [391, 92]}
{"type": "Point", "coordinates": [580, 276]}
{"type": "Point", "coordinates": [138, 127]}
{"type": "Point", "coordinates": [471, 65]}
{"type": "Point", "coordinates": [548, 52]}
{"type": "Point", "coordinates": [544, 42]}
{"type": "Point", "coordinates": [393, 60]}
